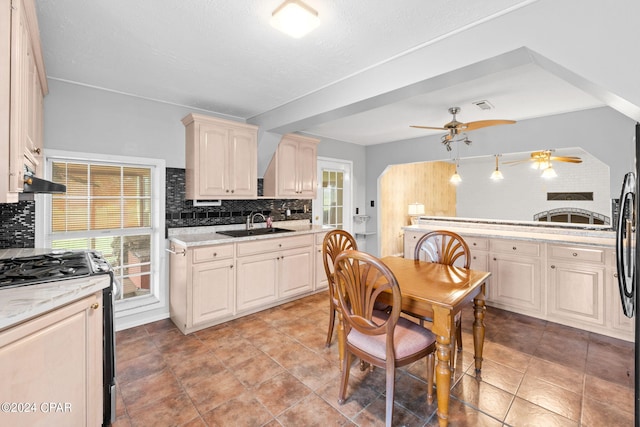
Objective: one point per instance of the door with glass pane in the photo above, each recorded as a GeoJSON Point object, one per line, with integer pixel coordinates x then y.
{"type": "Point", "coordinates": [332, 206]}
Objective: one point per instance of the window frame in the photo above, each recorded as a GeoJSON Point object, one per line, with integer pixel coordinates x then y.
{"type": "Point", "coordinates": [157, 298]}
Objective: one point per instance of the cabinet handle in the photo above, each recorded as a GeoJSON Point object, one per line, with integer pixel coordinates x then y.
{"type": "Point", "coordinates": [495, 259]}
{"type": "Point", "coordinates": [233, 191]}
{"type": "Point", "coordinates": [37, 150]}
{"type": "Point", "coordinates": [615, 275]}
{"type": "Point", "coordinates": [575, 254]}
{"type": "Point", "coordinates": [553, 266]}
{"type": "Point", "coordinates": [215, 254]}
{"type": "Point", "coordinates": [95, 305]}
{"type": "Point", "coordinates": [231, 266]}
{"type": "Point", "coordinates": [227, 190]}
{"type": "Point", "coordinates": [279, 245]}
{"type": "Point", "coordinates": [514, 248]}
{"type": "Point", "coordinates": [474, 243]}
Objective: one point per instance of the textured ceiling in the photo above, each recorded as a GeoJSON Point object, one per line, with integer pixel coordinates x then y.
{"type": "Point", "coordinates": [223, 56]}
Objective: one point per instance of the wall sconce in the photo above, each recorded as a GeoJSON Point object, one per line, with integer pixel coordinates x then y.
{"type": "Point", "coordinates": [497, 175]}
{"type": "Point", "coordinates": [415, 210]}
{"type": "Point", "coordinates": [295, 18]}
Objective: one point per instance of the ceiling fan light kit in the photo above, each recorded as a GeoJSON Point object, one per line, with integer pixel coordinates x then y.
{"type": "Point", "coordinates": [455, 128]}
{"type": "Point", "coordinates": [295, 18]}
{"type": "Point", "coordinates": [497, 175]}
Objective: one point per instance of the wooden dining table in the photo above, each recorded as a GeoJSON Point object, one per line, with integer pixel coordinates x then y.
{"type": "Point", "coordinates": [441, 291]}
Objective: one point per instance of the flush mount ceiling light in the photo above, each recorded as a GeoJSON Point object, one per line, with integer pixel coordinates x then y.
{"type": "Point", "coordinates": [497, 175]}
{"type": "Point", "coordinates": [295, 18]}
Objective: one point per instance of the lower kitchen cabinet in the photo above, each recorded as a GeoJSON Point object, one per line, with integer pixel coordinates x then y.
{"type": "Point", "coordinates": [322, 282]}
{"type": "Point", "coordinates": [576, 277]}
{"type": "Point", "coordinates": [516, 275]}
{"type": "Point", "coordinates": [51, 367]}
{"type": "Point", "coordinates": [283, 268]}
{"type": "Point", "coordinates": [202, 288]}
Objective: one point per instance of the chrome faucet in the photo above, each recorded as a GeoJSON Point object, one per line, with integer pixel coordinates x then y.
{"type": "Point", "coordinates": [253, 216]}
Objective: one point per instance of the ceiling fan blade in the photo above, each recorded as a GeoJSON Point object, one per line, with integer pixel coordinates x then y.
{"type": "Point", "coordinates": [515, 162]}
{"type": "Point", "coordinates": [427, 127]}
{"type": "Point", "coordinates": [485, 123]}
{"type": "Point", "coordinates": [570, 159]}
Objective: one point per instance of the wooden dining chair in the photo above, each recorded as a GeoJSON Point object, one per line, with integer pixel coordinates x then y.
{"type": "Point", "coordinates": [335, 241]}
{"type": "Point", "coordinates": [444, 247]}
{"type": "Point", "coordinates": [380, 338]}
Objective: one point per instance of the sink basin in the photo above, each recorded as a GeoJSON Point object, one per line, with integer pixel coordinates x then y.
{"type": "Point", "coordinates": [253, 232]}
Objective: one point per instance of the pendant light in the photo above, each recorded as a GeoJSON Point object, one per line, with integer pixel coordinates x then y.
{"type": "Point", "coordinates": [455, 178]}
{"type": "Point", "coordinates": [497, 175]}
{"type": "Point", "coordinates": [295, 18]}
{"type": "Point", "coordinates": [549, 172]}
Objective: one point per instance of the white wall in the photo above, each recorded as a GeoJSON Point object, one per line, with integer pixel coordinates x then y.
{"type": "Point", "coordinates": [523, 192]}
{"type": "Point", "coordinates": [603, 132]}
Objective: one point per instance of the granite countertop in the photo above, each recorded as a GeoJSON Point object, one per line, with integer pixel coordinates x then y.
{"type": "Point", "coordinates": [203, 236]}
{"type": "Point", "coordinates": [26, 302]}
{"type": "Point", "coordinates": [585, 234]}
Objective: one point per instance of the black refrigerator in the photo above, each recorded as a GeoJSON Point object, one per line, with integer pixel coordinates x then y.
{"type": "Point", "coordinates": [628, 258]}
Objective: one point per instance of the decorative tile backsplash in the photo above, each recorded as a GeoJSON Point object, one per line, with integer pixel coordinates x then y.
{"type": "Point", "coordinates": [17, 224]}
{"type": "Point", "coordinates": [17, 220]}
{"type": "Point", "coordinates": [182, 213]}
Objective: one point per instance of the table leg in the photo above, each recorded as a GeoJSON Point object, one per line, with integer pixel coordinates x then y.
{"type": "Point", "coordinates": [442, 330]}
{"type": "Point", "coordinates": [478, 328]}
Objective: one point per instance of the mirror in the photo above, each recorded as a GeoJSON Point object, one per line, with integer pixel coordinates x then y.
{"type": "Point", "coordinates": [580, 193]}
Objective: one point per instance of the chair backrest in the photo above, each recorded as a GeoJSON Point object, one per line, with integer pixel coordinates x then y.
{"type": "Point", "coordinates": [443, 247]}
{"type": "Point", "coordinates": [335, 241]}
{"type": "Point", "coordinates": [360, 279]}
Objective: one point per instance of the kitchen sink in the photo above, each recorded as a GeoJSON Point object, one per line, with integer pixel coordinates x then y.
{"type": "Point", "coordinates": [254, 232]}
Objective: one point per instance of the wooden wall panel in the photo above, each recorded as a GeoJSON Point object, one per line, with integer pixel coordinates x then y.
{"type": "Point", "coordinates": [400, 185]}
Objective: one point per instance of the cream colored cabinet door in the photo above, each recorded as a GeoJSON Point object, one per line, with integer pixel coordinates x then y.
{"type": "Point", "coordinates": [321, 276]}
{"type": "Point", "coordinates": [292, 170]}
{"type": "Point", "coordinates": [575, 284]}
{"type": "Point", "coordinates": [221, 159]}
{"type": "Point", "coordinates": [257, 280]}
{"type": "Point", "coordinates": [295, 272]}
{"type": "Point", "coordinates": [55, 358]}
{"type": "Point", "coordinates": [306, 168]}
{"type": "Point", "coordinates": [410, 240]}
{"type": "Point", "coordinates": [478, 249]}
{"type": "Point", "coordinates": [213, 291]}
{"type": "Point", "coordinates": [516, 275]}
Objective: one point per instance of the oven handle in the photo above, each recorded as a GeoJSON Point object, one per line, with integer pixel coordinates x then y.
{"type": "Point", "coordinates": [172, 250]}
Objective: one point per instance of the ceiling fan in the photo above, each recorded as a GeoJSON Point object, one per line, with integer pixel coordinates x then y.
{"type": "Point", "coordinates": [542, 159]}
{"type": "Point", "coordinates": [455, 128]}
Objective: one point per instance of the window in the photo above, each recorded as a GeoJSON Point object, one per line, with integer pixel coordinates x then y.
{"type": "Point", "coordinates": [110, 206]}
{"type": "Point", "coordinates": [332, 200]}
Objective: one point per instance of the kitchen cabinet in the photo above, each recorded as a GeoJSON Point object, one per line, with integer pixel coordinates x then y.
{"type": "Point", "coordinates": [516, 275]}
{"type": "Point", "coordinates": [202, 286]}
{"type": "Point", "coordinates": [479, 249]}
{"type": "Point", "coordinates": [410, 241]}
{"type": "Point", "coordinates": [322, 282]}
{"type": "Point", "coordinates": [622, 325]}
{"type": "Point", "coordinates": [576, 277]}
{"type": "Point", "coordinates": [221, 159]}
{"type": "Point", "coordinates": [55, 358]}
{"type": "Point", "coordinates": [292, 170]}
{"type": "Point", "coordinates": [275, 269]}
{"type": "Point", "coordinates": [23, 86]}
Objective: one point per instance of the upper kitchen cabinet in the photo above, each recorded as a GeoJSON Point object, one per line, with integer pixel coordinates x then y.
{"type": "Point", "coordinates": [221, 159]}
{"type": "Point", "coordinates": [23, 85]}
{"type": "Point", "coordinates": [291, 174]}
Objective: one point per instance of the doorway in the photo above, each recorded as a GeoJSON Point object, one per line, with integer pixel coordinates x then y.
{"type": "Point", "coordinates": [332, 205]}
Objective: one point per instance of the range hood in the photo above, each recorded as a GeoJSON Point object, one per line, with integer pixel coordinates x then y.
{"type": "Point", "coordinates": [33, 184]}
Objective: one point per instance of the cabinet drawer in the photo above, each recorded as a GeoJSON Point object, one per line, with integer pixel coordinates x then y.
{"type": "Point", "coordinates": [268, 245]}
{"type": "Point", "coordinates": [212, 253]}
{"type": "Point", "coordinates": [515, 247]}
{"type": "Point", "coordinates": [577, 254]}
{"type": "Point", "coordinates": [478, 243]}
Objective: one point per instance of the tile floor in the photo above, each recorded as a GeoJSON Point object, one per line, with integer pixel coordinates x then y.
{"type": "Point", "coordinates": [272, 369]}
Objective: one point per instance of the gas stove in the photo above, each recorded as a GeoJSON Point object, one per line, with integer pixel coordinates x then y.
{"type": "Point", "coordinates": [49, 267]}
